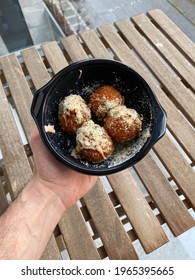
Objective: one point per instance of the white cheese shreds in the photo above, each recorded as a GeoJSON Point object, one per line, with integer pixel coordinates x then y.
{"type": "Point", "coordinates": [75, 103]}
{"type": "Point", "coordinates": [107, 105]}
{"type": "Point", "coordinates": [122, 112]}
{"type": "Point", "coordinates": [94, 137]}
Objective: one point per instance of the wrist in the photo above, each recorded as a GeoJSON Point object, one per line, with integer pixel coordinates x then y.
{"type": "Point", "coordinates": [47, 192]}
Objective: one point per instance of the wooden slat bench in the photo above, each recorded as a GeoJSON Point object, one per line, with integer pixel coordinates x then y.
{"type": "Point", "coordinates": [127, 206]}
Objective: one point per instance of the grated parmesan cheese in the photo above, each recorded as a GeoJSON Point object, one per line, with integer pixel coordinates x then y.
{"type": "Point", "coordinates": [75, 103]}
{"type": "Point", "coordinates": [94, 137]}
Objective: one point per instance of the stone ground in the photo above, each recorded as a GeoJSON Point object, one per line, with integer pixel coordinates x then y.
{"type": "Point", "coordinates": [84, 14]}
{"type": "Point", "coordinates": [94, 13]}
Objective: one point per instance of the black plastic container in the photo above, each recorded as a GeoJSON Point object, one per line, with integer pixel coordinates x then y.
{"type": "Point", "coordinates": [83, 78]}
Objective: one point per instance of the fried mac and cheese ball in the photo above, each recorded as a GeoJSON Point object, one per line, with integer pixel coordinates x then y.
{"type": "Point", "coordinates": [103, 99]}
{"type": "Point", "coordinates": [93, 143]}
{"type": "Point", "coordinates": [73, 112]}
{"type": "Point", "coordinates": [123, 124]}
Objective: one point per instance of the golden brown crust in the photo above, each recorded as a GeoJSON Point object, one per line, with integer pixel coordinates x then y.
{"type": "Point", "coordinates": [93, 142]}
{"type": "Point", "coordinates": [69, 124]}
{"type": "Point", "coordinates": [94, 155]}
{"type": "Point", "coordinates": [103, 99]}
{"type": "Point", "coordinates": [123, 124]}
{"type": "Point", "coordinates": [73, 112]}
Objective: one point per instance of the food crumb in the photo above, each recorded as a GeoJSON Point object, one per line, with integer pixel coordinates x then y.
{"type": "Point", "coordinates": [146, 133]}
{"type": "Point", "coordinates": [80, 73]}
{"type": "Point", "coordinates": [49, 128]}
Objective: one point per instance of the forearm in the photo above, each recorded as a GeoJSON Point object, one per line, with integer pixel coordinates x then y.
{"type": "Point", "coordinates": [28, 224]}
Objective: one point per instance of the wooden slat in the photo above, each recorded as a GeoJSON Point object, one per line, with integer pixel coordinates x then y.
{"type": "Point", "coordinates": [52, 251]}
{"type": "Point", "coordinates": [117, 45]}
{"type": "Point", "coordinates": [54, 56]}
{"type": "Point", "coordinates": [179, 127]}
{"type": "Point", "coordinates": [74, 48]}
{"type": "Point", "coordinates": [174, 33]}
{"type": "Point", "coordinates": [177, 166]}
{"type": "Point", "coordinates": [169, 52]}
{"type": "Point", "coordinates": [173, 210]}
{"type": "Point", "coordinates": [14, 156]}
{"type": "Point", "coordinates": [94, 44]}
{"type": "Point", "coordinates": [79, 243]}
{"type": "Point", "coordinates": [3, 199]}
{"type": "Point", "coordinates": [182, 96]}
{"type": "Point", "coordinates": [36, 67]}
{"type": "Point", "coordinates": [111, 231]}
{"type": "Point", "coordinates": [177, 124]}
{"type": "Point", "coordinates": [19, 89]}
{"type": "Point", "coordinates": [61, 243]}
{"type": "Point", "coordinates": [144, 222]}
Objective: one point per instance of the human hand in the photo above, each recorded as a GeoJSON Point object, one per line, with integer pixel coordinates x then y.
{"type": "Point", "coordinates": [67, 183]}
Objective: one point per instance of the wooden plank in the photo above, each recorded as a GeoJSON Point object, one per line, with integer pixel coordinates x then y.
{"type": "Point", "coordinates": [3, 199]}
{"type": "Point", "coordinates": [7, 183]}
{"type": "Point", "coordinates": [177, 124]}
{"type": "Point", "coordinates": [74, 48]}
{"type": "Point", "coordinates": [95, 45]}
{"type": "Point", "coordinates": [36, 67]}
{"type": "Point", "coordinates": [14, 156]}
{"type": "Point", "coordinates": [144, 222]}
{"type": "Point", "coordinates": [171, 207]}
{"type": "Point", "coordinates": [111, 231]}
{"type": "Point", "coordinates": [79, 243]}
{"type": "Point", "coordinates": [54, 56]}
{"type": "Point", "coordinates": [52, 251]}
{"type": "Point", "coordinates": [118, 46]}
{"type": "Point", "coordinates": [20, 90]}
{"type": "Point", "coordinates": [179, 127]}
{"type": "Point", "coordinates": [174, 33]}
{"type": "Point", "coordinates": [177, 166]}
{"type": "Point", "coordinates": [167, 50]}
{"type": "Point", "coordinates": [60, 242]}
{"type": "Point", "coordinates": [182, 96]}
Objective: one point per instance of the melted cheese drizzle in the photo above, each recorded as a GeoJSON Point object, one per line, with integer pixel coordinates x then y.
{"type": "Point", "coordinates": [107, 105]}
{"type": "Point", "coordinates": [122, 112]}
{"type": "Point", "coordinates": [92, 136]}
{"type": "Point", "coordinates": [75, 103]}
